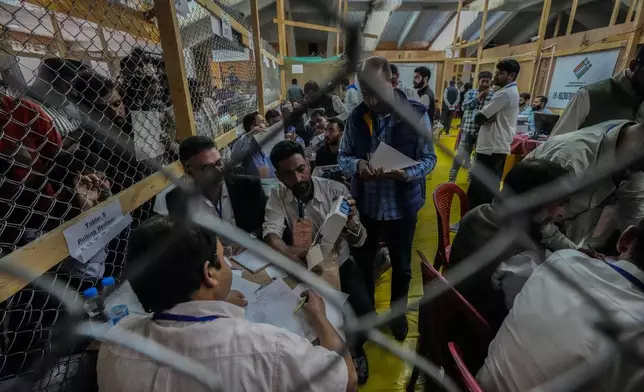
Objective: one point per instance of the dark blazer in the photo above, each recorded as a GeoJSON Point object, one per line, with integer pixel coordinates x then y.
{"type": "Point", "coordinates": [247, 198]}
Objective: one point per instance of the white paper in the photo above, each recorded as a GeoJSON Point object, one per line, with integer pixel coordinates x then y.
{"type": "Point", "coordinates": [238, 272]}
{"type": "Point", "coordinates": [246, 287]}
{"type": "Point", "coordinates": [388, 159]}
{"type": "Point", "coordinates": [126, 296]}
{"type": "Point", "coordinates": [215, 25]}
{"type": "Point", "coordinates": [268, 141]}
{"type": "Point", "coordinates": [314, 256]}
{"type": "Point", "coordinates": [274, 305]}
{"type": "Point", "coordinates": [182, 7]}
{"type": "Point", "coordinates": [275, 273]}
{"type": "Point", "coordinates": [297, 69]}
{"type": "Point", "coordinates": [226, 29]}
{"type": "Point", "coordinates": [333, 314]}
{"type": "Point", "coordinates": [250, 261]}
{"type": "Point", "coordinates": [88, 236]}
{"type": "Point", "coordinates": [146, 126]}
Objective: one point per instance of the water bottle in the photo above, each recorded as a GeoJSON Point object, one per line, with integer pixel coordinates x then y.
{"type": "Point", "coordinates": [94, 305]}
{"type": "Point", "coordinates": [117, 310]}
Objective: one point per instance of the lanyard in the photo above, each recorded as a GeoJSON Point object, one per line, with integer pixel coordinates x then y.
{"type": "Point", "coordinates": [218, 207]}
{"type": "Point", "coordinates": [300, 208]}
{"type": "Point", "coordinates": [636, 282]}
{"type": "Point", "coordinates": [180, 317]}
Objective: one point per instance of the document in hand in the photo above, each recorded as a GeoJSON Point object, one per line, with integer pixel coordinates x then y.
{"type": "Point", "coordinates": [274, 305]}
{"type": "Point", "coordinates": [250, 261]}
{"type": "Point", "coordinates": [389, 159]}
{"type": "Point", "coordinates": [333, 314]}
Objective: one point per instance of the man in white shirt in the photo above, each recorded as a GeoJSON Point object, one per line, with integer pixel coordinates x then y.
{"type": "Point", "coordinates": [187, 288]}
{"type": "Point", "coordinates": [302, 202]}
{"type": "Point", "coordinates": [498, 121]}
{"type": "Point", "coordinates": [553, 329]}
{"type": "Point", "coordinates": [410, 92]}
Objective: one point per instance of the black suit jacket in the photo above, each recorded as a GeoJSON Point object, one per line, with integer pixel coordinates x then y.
{"type": "Point", "coordinates": [247, 198]}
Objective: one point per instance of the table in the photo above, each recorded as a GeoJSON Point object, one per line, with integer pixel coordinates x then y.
{"type": "Point", "coordinates": [523, 145]}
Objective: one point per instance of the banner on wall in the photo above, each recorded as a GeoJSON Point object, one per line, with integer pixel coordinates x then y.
{"type": "Point", "coordinates": [574, 72]}
{"type": "Point", "coordinates": [406, 71]}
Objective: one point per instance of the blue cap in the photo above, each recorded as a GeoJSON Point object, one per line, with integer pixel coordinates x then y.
{"type": "Point", "coordinates": [109, 281]}
{"type": "Point", "coordinates": [90, 293]}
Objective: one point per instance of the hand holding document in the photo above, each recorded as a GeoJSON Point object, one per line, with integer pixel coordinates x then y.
{"type": "Point", "coordinates": [389, 159]}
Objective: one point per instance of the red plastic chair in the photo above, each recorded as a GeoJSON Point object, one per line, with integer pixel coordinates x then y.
{"type": "Point", "coordinates": [443, 198]}
{"type": "Point", "coordinates": [436, 322]}
{"type": "Point", "coordinates": [469, 382]}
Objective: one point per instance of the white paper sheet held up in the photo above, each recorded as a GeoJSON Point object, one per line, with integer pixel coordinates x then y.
{"type": "Point", "coordinates": [274, 305]}
{"type": "Point", "coordinates": [388, 159]}
{"type": "Point", "coordinates": [250, 261]}
{"type": "Point", "coordinates": [244, 286]}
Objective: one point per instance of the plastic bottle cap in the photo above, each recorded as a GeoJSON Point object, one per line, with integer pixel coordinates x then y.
{"type": "Point", "coordinates": [90, 293]}
{"type": "Point", "coordinates": [109, 281]}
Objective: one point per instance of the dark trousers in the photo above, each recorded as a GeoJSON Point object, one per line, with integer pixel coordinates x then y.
{"type": "Point", "coordinates": [399, 235]}
{"type": "Point", "coordinates": [447, 119]}
{"type": "Point", "coordinates": [477, 193]}
{"type": "Point", "coordinates": [352, 283]}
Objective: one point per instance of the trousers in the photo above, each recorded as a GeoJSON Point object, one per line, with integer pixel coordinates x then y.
{"type": "Point", "coordinates": [477, 193]}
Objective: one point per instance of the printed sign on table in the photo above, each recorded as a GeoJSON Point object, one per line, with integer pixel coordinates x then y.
{"type": "Point", "coordinates": [88, 236]}
{"type": "Point", "coordinates": [574, 72]}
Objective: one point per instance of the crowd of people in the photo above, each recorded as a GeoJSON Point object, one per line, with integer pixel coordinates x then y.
{"type": "Point", "coordinates": [543, 326]}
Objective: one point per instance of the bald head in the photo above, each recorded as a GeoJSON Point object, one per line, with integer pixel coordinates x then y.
{"type": "Point", "coordinates": [376, 69]}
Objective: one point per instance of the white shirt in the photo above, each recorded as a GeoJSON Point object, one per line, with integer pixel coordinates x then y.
{"type": "Point", "coordinates": [283, 206]}
{"type": "Point", "coordinates": [495, 136]}
{"type": "Point", "coordinates": [550, 327]}
{"type": "Point", "coordinates": [246, 356]}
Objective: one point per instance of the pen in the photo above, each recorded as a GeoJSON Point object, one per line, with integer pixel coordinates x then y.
{"type": "Point", "coordinates": [301, 304]}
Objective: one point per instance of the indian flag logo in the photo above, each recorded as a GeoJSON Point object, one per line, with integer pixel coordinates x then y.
{"type": "Point", "coordinates": [582, 68]}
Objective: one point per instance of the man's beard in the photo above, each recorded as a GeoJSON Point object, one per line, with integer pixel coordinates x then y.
{"type": "Point", "coordinates": [301, 189]}
{"type": "Point", "coordinates": [418, 86]}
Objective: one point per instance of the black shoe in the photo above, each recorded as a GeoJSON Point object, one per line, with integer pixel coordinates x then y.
{"type": "Point", "coordinates": [399, 328]}
{"type": "Point", "coordinates": [362, 366]}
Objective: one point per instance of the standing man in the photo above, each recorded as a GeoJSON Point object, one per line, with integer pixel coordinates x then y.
{"type": "Point", "coordinates": [351, 95]}
{"type": "Point", "coordinates": [303, 202]}
{"type": "Point", "coordinates": [397, 83]}
{"type": "Point", "coordinates": [426, 94]}
{"type": "Point", "coordinates": [498, 121]}
{"type": "Point", "coordinates": [388, 202]}
{"type": "Point", "coordinates": [473, 102]}
{"type": "Point", "coordinates": [331, 103]}
{"type": "Point", "coordinates": [294, 93]}
{"type": "Point", "coordinates": [451, 98]}
{"type": "Point", "coordinates": [538, 106]}
{"type": "Point", "coordinates": [616, 98]}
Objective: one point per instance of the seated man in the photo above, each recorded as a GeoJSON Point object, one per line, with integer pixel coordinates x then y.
{"type": "Point", "coordinates": [273, 117]}
{"type": "Point", "coordinates": [249, 152]}
{"type": "Point", "coordinates": [553, 329]}
{"type": "Point", "coordinates": [303, 202]}
{"type": "Point", "coordinates": [239, 200]}
{"type": "Point", "coordinates": [538, 106]}
{"type": "Point", "coordinates": [492, 290]}
{"type": "Point", "coordinates": [196, 319]}
{"type": "Point", "coordinates": [328, 153]}
{"type": "Point", "coordinates": [620, 194]}
{"type": "Point", "coordinates": [315, 127]}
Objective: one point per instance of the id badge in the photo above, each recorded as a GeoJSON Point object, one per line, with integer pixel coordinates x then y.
{"type": "Point", "coordinates": [302, 233]}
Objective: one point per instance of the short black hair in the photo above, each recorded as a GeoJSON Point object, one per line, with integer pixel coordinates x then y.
{"type": "Point", "coordinates": [424, 72]}
{"type": "Point", "coordinates": [91, 85]}
{"type": "Point", "coordinates": [318, 112]}
{"type": "Point", "coordinates": [468, 86]}
{"type": "Point", "coordinates": [345, 82]}
{"type": "Point", "coordinates": [284, 150]}
{"type": "Point", "coordinates": [293, 81]}
{"type": "Point", "coordinates": [338, 122]}
{"type": "Point", "coordinates": [543, 99]}
{"type": "Point", "coordinates": [66, 69]}
{"type": "Point", "coordinates": [176, 256]}
{"type": "Point", "coordinates": [311, 87]}
{"type": "Point", "coordinates": [525, 96]}
{"type": "Point", "coordinates": [271, 113]}
{"type": "Point", "coordinates": [485, 75]}
{"type": "Point", "coordinates": [194, 145]}
{"type": "Point", "coordinates": [248, 120]}
{"type": "Point", "coordinates": [394, 68]}
{"type": "Point", "coordinates": [511, 66]}
{"type": "Point", "coordinates": [530, 174]}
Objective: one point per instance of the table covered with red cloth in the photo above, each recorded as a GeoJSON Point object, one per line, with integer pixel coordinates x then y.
{"type": "Point", "coordinates": [523, 145]}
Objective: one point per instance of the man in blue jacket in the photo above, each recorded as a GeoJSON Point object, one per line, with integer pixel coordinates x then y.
{"type": "Point", "coordinates": [388, 202]}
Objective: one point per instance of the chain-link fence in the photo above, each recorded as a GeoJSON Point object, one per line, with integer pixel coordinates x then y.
{"type": "Point", "coordinates": [86, 113]}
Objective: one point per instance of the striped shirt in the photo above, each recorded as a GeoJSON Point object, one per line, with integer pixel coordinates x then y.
{"type": "Point", "coordinates": [62, 122]}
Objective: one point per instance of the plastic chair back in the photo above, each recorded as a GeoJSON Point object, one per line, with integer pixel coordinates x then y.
{"type": "Point", "coordinates": [443, 198]}
{"type": "Point", "coordinates": [469, 382]}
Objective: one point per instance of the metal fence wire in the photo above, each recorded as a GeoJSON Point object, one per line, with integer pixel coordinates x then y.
{"type": "Point", "coordinates": [86, 107]}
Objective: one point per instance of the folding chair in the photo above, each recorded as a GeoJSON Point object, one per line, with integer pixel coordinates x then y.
{"type": "Point", "coordinates": [443, 198]}
{"type": "Point", "coordinates": [467, 379]}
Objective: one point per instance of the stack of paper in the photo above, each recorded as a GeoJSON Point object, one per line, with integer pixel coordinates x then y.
{"type": "Point", "coordinates": [245, 287]}
{"type": "Point", "coordinates": [388, 159]}
{"type": "Point", "coordinates": [250, 261]}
